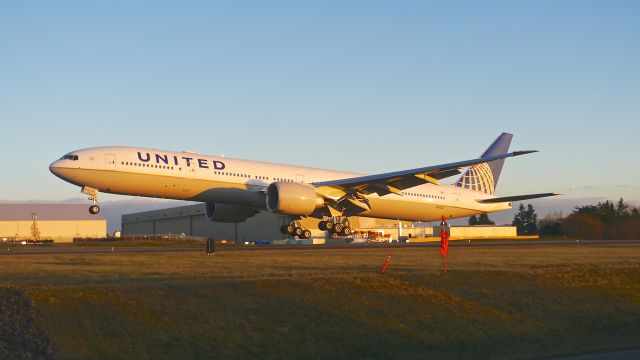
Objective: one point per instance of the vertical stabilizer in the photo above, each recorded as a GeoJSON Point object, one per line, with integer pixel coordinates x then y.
{"type": "Point", "coordinates": [484, 177]}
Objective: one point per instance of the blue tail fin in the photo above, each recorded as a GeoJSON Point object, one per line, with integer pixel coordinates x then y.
{"type": "Point", "coordinates": [484, 177]}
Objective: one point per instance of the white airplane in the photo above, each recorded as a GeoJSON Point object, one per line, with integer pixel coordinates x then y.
{"type": "Point", "coordinates": [235, 190]}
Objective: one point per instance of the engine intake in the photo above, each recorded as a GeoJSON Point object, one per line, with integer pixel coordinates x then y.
{"type": "Point", "coordinates": [228, 213]}
{"type": "Point", "coordinates": [293, 198]}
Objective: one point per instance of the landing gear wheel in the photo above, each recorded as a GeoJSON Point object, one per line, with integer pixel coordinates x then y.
{"type": "Point", "coordinates": [306, 234]}
{"type": "Point", "coordinates": [283, 229]}
{"type": "Point", "coordinates": [322, 225]}
{"type": "Point", "coordinates": [338, 228]}
{"type": "Point", "coordinates": [290, 229]}
{"type": "Point", "coordinates": [329, 226]}
{"type": "Point", "coordinates": [298, 231]}
{"type": "Point", "coordinates": [346, 231]}
{"type": "Point", "coordinates": [93, 196]}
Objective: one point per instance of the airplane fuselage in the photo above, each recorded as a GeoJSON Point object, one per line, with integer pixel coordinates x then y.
{"type": "Point", "coordinates": [195, 177]}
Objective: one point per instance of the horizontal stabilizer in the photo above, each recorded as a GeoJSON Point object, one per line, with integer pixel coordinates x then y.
{"type": "Point", "coordinates": [514, 198]}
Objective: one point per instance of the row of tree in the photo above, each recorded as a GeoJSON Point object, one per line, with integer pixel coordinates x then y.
{"type": "Point", "coordinates": [604, 220]}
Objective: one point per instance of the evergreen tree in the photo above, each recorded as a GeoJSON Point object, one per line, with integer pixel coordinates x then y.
{"type": "Point", "coordinates": [622, 209]}
{"type": "Point", "coordinates": [526, 220]}
{"type": "Point", "coordinates": [473, 220]}
{"type": "Point", "coordinates": [532, 221]}
{"type": "Point", "coordinates": [483, 219]}
{"type": "Point", "coordinates": [606, 212]}
{"type": "Point", "coordinates": [518, 221]}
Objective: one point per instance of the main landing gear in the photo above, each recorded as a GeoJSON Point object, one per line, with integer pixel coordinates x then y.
{"type": "Point", "coordinates": [295, 228]}
{"type": "Point", "coordinates": [338, 225]}
{"type": "Point", "coordinates": [93, 196]}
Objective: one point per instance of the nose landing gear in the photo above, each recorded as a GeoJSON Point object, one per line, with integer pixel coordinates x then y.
{"type": "Point", "coordinates": [93, 196]}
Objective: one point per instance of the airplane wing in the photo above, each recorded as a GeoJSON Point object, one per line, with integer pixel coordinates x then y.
{"type": "Point", "coordinates": [395, 182]}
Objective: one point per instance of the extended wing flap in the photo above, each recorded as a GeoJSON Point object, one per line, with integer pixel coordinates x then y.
{"type": "Point", "coordinates": [330, 193]}
{"type": "Point", "coordinates": [428, 179]}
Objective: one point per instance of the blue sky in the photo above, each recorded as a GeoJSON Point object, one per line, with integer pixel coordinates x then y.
{"type": "Point", "coordinates": [369, 86]}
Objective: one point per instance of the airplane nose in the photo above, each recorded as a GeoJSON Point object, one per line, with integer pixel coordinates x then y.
{"type": "Point", "coordinates": [61, 169]}
{"type": "Point", "coordinates": [54, 168]}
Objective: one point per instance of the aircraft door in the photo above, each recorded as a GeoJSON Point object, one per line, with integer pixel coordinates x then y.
{"type": "Point", "coordinates": [299, 178]}
{"type": "Point", "coordinates": [110, 161]}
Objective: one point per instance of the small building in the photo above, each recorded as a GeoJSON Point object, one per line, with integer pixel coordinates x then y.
{"type": "Point", "coordinates": [58, 222]}
{"type": "Point", "coordinates": [480, 232]}
{"type": "Point", "coordinates": [191, 220]}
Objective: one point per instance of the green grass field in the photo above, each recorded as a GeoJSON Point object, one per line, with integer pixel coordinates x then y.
{"type": "Point", "coordinates": [501, 302]}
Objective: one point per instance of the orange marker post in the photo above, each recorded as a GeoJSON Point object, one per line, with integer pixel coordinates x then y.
{"type": "Point", "coordinates": [384, 266]}
{"type": "Point", "coordinates": [444, 241]}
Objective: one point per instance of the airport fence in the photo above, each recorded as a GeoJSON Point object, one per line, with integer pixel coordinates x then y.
{"type": "Point", "coordinates": [161, 237]}
{"type": "Point", "coordinates": [144, 237]}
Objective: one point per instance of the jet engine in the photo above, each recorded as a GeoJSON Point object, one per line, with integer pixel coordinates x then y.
{"type": "Point", "coordinates": [293, 198]}
{"type": "Point", "coordinates": [228, 213]}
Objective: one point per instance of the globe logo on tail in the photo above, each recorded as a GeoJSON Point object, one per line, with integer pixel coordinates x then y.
{"type": "Point", "coordinates": [479, 177]}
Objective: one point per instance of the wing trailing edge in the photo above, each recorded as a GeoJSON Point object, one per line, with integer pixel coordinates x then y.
{"type": "Point", "coordinates": [395, 182]}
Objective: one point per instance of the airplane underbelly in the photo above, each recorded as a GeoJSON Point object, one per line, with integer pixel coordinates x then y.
{"type": "Point", "coordinates": [413, 210]}
{"type": "Point", "coordinates": [169, 187]}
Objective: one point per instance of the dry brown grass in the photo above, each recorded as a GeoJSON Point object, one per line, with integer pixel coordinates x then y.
{"type": "Point", "coordinates": [493, 303]}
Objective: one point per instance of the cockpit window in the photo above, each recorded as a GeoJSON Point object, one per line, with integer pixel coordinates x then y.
{"type": "Point", "coordinates": [70, 157]}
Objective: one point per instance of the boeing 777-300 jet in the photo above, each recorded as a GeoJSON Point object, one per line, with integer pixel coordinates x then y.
{"type": "Point", "coordinates": [235, 190]}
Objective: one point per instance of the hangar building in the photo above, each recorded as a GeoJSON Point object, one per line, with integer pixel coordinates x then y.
{"type": "Point", "coordinates": [191, 220]}
{"type": "Point", "coordinates": [58, 222]}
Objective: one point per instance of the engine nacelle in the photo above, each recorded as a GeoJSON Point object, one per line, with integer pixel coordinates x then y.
{"type": "Point", "coordinates": [228, 213]}
{"type": "Point", "coordinates": [293, 198]}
